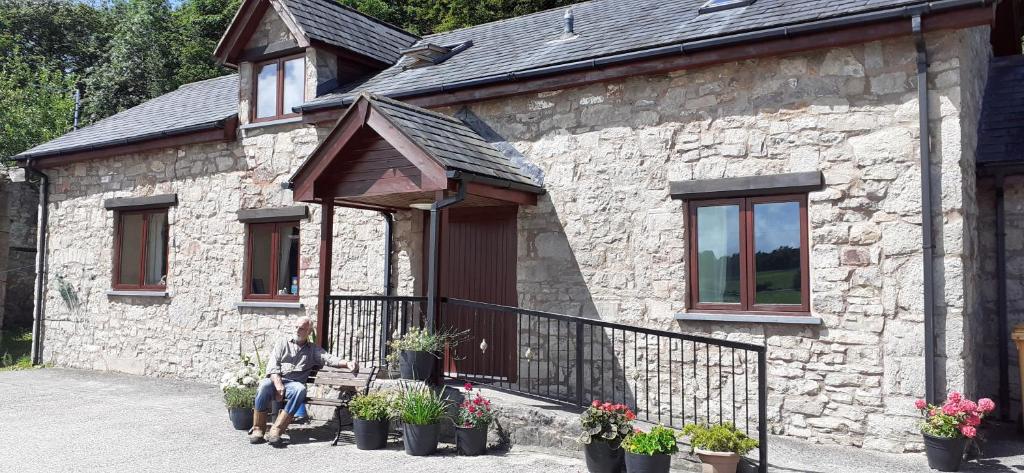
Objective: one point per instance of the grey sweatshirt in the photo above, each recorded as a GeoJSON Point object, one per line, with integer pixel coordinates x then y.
{"type": "Point", "coordinates": [295, 362]}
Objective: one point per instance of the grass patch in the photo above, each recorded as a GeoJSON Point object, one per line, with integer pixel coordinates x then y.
{"type": "Point", "coordinates": [15, 345]}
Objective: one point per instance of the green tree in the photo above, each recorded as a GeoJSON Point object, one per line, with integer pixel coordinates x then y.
{"type": "Point", "coordinates": [36, 103]}
{"type": "Point", "coordinates": [64, 34]}
{"type": "Point", "coordinates": [198, 26]}
{"type": "Point", "coordinates": [138, 63]}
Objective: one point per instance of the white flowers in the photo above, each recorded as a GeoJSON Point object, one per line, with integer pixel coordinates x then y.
{"type": "Point", "coordinates": [245, 377]}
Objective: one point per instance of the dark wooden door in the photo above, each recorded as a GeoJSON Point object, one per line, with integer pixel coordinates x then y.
{"type": "Point", "coordinates": [478, 263]}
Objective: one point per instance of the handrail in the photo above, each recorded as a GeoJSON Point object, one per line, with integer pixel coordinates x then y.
{"type": "Point", "coordinates": [345, 297]}
{"type": "Point", "coordinates": [606, 324]}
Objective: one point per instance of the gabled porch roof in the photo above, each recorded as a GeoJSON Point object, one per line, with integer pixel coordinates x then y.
{"type": "Point", "coordinates": [385, 154]}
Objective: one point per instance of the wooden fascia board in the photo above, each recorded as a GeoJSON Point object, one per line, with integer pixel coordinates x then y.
{"type": "Point", "coordinates": [291, 23]}
{"type": "Point", "coordinates": [207, 136]}
{"type": "Point", "coordinates": [507, 195]}
{"type": "Point", "coordinates": [346, 127]}
{"type": "Point", "coordinates": [434, 176]}
{"type": "Point", "coordinates": [242, 26]}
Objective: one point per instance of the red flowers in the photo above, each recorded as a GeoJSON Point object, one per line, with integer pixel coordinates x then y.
{"type": "Point", "coordinates": [468, 386]}
{"type": "Point", "coordinates": [475, 410]}
{"type": "Point", "coordinates": [605, 421]}
{"type": "Point", "coordinates": [958, 416]}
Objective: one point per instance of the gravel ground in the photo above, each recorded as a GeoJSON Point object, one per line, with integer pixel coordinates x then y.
{"type": "Point", "coordinates": [59, 420]}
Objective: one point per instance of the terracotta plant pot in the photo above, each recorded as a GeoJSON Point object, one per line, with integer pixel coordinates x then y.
{"type": "Point", "coordinates": [718, 462]}
{"type": "Point", "coordinates": [636, 463]}
{"type": "Point", "coordinates": [416, 365]}
{"type": "Point", "coordinates": [370, 434]}
{"type": "Point", "coordinates": [944, 454]}
{"type": "Point", "coordinates": [421, 440]}
{"type": "Point", "coordinates": [241, 419]}
{"type": "Point", "coordinates": [602, 458]}
{"type": "Point", "coordinates": [471, 441]}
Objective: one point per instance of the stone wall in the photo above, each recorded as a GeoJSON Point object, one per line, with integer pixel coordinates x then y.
{"type": "Point", "coordinates": [196, 331]}
{"type": "Point", "coordinates": [19, 208]}
{"type": "Point", "coordinates": [607, 241]}
{"type": "Point", "coordinates": [986, 336]}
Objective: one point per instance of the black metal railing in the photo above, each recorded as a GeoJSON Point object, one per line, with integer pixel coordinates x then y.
{"type": "Point", "coordinates": [359, 327]}
{"type": "Point", "coordinates": [666, 377]}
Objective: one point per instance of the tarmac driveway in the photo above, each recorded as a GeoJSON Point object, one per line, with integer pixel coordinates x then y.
{"type": "Point", "coordinates": [60, 420]}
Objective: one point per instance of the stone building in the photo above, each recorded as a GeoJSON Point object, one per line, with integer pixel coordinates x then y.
{"type": "Point", "coordinates": [595, 140]}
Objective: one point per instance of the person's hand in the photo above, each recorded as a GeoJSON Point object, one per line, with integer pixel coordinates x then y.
{"type": "Point", "coordinates": [354, 366]}
{"type": "Point", "coordinates": [280, 394]}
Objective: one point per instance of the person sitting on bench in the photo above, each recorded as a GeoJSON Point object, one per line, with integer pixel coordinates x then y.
{"type": "Point", "coordinates": [289, 366]}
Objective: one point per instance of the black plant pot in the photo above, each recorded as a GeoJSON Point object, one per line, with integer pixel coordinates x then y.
{"type": "Point", "coordinates": [944, 454]}
{"type": "Point", "coordinates": [416, 365]}
{"type": "Point", "coordinates": [471, 441]}
{"type": "Point", "coordinates": [636, 463]}
{"type": "Point", "coordinates": [241, 419]}
{"type": "Point", "coordinates": [602, 458]}
{"type": "Point", "coordinates": [370, 434]}
{"type": "Point", "coordinates": [421, 440]}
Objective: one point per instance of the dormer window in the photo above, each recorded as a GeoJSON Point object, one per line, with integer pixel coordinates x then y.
{"type": "Point", "coordinates": [280, 86]}
{"type": "Point", "coordinates": [719, 5]}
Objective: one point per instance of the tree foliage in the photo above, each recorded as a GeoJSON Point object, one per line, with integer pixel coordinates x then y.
{"type": "Point", "coordinates": [433, 16]}
{"type": "Point", "coordinates": [35, 102]}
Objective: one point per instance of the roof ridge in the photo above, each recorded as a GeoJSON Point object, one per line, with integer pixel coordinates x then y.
{"type": "Point", "coordinates": [517, 17]}
{"type": "Point", "coordinates": [369, 17]}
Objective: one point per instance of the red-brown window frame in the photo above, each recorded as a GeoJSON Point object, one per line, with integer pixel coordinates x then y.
{"type": "Point", "coordinates": [747, 261]}
{"type": "Point", "coordinates": [279, 107]}
{"type": "Point", "coordinates": [119, 234]}
{"type": "Point", "coordinates": [275, 247]}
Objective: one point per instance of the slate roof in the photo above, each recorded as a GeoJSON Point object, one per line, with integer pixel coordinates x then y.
{"type": "Point", "coordinates": [1001, 130]}
{"type": "Point", "coordinates": [333, 23]}
{"type": "Point", "coordinates": [192, 107]}
{"type": "Point", "coordinates": [603, 27]}
{"type": "Point", "coordinates": [450, 141]}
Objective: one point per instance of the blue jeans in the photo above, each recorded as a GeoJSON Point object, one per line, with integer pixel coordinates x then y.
{"type": "Point", "coordinates": [294, 396]}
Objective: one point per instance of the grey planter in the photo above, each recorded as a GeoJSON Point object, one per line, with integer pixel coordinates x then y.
{"type": "Point", "coordinates": [421, 440]}
{"type": "Point", "coordinates": [241, 419]}
{"type": "Point", "coordinates": [416, 365]}
{"type": "Point", "coordinates": [472, 441]}
{"type": "Point", "coordinates": [370, 434]}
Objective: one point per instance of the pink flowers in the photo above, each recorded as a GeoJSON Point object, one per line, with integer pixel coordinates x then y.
{"type": "Point", "coordinates": [475, 410]}
{"type": "Point", "coordinates": [957, 416]}
{"type": "Point", "coordinates": [468, 387]}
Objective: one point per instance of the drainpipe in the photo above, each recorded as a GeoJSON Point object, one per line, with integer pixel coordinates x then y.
{"type": "Point", "coordinates": [435, 222]}
{"type": "Point", "coordinates": [1004, 329]}
{"type": "Point", "coordinates": [389, 223]}
{"type": "Point", "coordinates": [927, 237]}
{"type": "Point", "coordinates": [37, 304]}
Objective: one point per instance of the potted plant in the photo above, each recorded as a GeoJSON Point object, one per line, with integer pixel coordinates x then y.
{"type": "Point", "coordinates": [239, 388]}
{"type": "Point", "coordinates": [604, 426]}
{"type": "Point", "coordinates": [421, 411]}
{"type": "Point", "coordinates": [948, 428]}
{"type": "Point", "coordinates": [475, 415]}
{"type": "Point", "coordinates": [370, 414]}
{"type": "Point", "coordinates": [719, 447]}
{"type": "Point", "coordinates": [650, 452]}
{"type": "Point", "coordinates": [417, 351]}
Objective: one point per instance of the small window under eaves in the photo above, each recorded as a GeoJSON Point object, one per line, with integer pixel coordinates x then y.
{"type": "Point", "coordinates": [719, 5]}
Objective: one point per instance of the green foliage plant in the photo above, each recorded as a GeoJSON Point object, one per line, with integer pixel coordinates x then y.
{"type": "Point", "coordinates": [719, 438]}
{"type": "Point", "coordinates": [606, 422]}
{"type": "Point", "coordinates": [421, 339]}
{"type": "Point", "coordinates": [15, 345]}
{"type": "Point", "coordinates": [659, 441]}
{"type": "Point", "coordinates": [376, 405]}
{"type": "Point", "coordinates": [239, 397]}
{"type": "Point", "coordinates": [418, 404]}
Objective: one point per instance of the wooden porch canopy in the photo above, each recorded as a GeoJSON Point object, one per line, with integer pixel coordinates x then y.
{"type": "Point", "coordinates": [386, 155]}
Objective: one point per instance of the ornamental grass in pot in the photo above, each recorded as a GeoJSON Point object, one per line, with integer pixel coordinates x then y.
{"type": "Point", "coordinates": [719, 446]}
{"type": "Point", "coordinates": [421, 411]}
{"type": "Point", "coordinates": [370, 419]}
{"type": "Point", "coordinates": [947, 429]}
{"type": "Point", "coordinates": [650, 452]}
{"type": "Point", "coordinates": [239, 388]}
{"type": "Point", "coordinates": [474, 417]}
{"type": "Point", "coordinates": [605, 425]}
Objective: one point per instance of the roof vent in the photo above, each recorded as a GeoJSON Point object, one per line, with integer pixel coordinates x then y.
{"type": "Point", "coordinates": [429, 54]}
{"type": "Point", "coordinates": [569, 19]}
{"type": "Point", "coordinates": [719, 5]}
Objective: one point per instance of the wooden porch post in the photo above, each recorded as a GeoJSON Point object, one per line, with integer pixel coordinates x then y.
{"type": "Point", "coordinates": [324, 291]}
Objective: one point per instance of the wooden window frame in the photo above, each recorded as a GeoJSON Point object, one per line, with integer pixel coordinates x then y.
{"type": "Point", "coordinates": [747, 261]}
{"type": "Point", "coordinates": [275, 254]}
{"type": "Point", "coordinates": [119, 234]}
{"type": "Point", "coordinates": [279, 106]}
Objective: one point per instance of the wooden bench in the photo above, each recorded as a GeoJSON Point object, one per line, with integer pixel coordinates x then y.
{"type": "Point", "coordinates": [348, 383]}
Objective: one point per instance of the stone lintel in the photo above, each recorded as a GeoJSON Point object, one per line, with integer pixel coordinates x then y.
{"type": "Point", "coordinates": [139, 203]}
{"type": "Point", "coordinates": [268, 123]}
{"type": "Point", "coordinates": [129, 293]}
{"type": "Point", "coordinates": [771, 184]}
{"type": "Point", "coordinates": [268, 305]}
{"type": "Point", "coordinates": [276, 214]}
{"type": "Point", "coordinates": [749, 318]}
